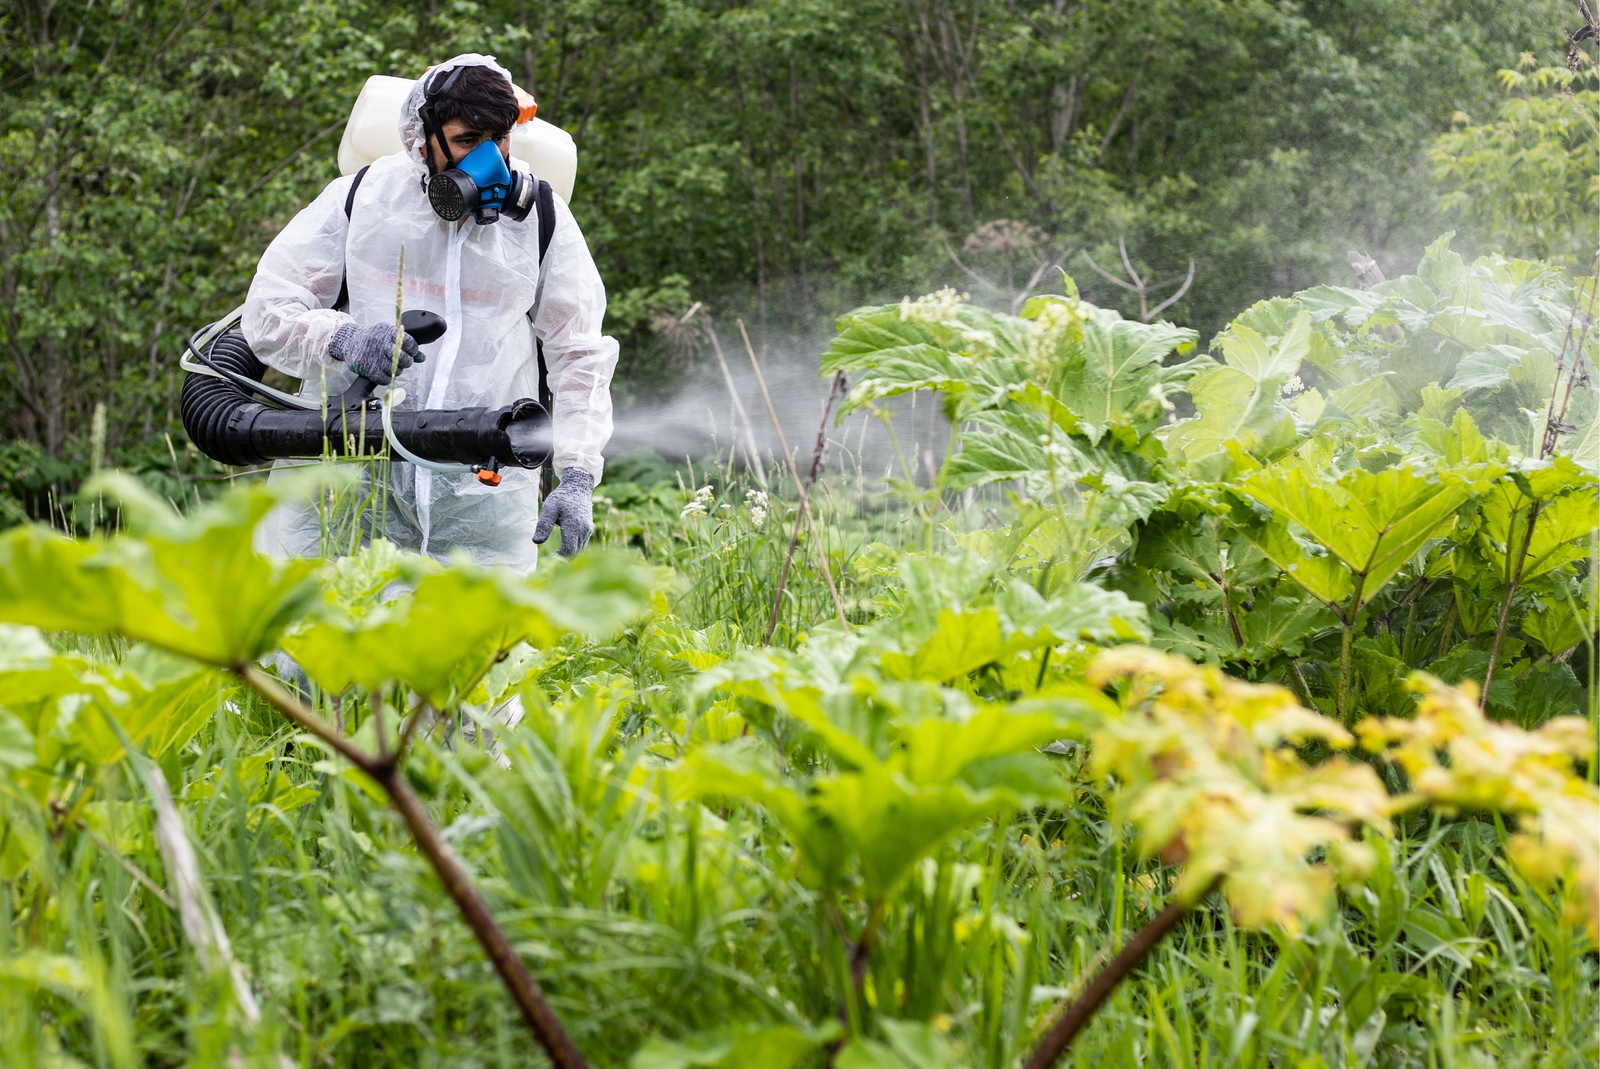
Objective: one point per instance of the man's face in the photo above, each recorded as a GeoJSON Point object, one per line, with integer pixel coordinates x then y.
{"type": "Point", "coordinates": [462, 139]}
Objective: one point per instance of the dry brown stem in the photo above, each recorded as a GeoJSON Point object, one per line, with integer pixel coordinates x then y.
{"type": "Point", "coordinates": [800, 487]}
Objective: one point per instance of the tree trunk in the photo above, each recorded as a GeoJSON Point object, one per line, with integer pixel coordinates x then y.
{"type": "Point", "coordinates": [1122, 113]}
{"type": "Point", "coordinates": [958, 58]}
{"type": "Point", "coordinates": [755, 206]}
{"type": "Point", "coordinates": [802, 285]}
{"type": "Point", "coordinates": [918, 65]}
{"type": "Point", "coordinates": [52, 371]}
{"type": "Point", "coordinates": [1060, 116]}
{"type": "Point", "coordinates": [1065, 100]}
{"type": "Point", "coordinates": [52, 398]}
{"type": "Point", "coordinates": [961, 162]}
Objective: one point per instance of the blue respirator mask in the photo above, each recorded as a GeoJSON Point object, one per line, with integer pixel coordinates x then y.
{"type": "Point", "coordinates": [481, 183]}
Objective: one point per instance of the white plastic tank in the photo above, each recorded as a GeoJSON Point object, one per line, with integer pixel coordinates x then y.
{"type": "Point", "coordinates": [374, 130]}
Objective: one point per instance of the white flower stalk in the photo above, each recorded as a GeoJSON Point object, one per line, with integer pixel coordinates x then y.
{"type": "Point", "coordinates": [1159, 396]}
{"type": "Point", "coordinates": [757, 499]}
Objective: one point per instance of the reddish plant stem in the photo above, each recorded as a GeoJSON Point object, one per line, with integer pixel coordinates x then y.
{"type": "Point", "coordinates": [1553, 419]}
{"type": "Point", "coordinates": [811, 477]}
{"type": "Point", "coordinates": [524, 989]}
{"type": "Point", "coordinates": [278, 696]}
{"type": "Point", "coordinates": [861, 953]}
{"type": "Point", "coordinates": [800, 487]}
{"type": "Point", "coordinates": [1063, 1032]}
{"type": "Point", "coordinates": [783, 579]}
{"type": "Point", "coordinates": [1227, 603]}
{"type": "Point", "coordinates": [1349, 617]}
{"type": "Point", "coordinates": [1505, 604]}
{"type": "Point", "coordinates": [385, 770]}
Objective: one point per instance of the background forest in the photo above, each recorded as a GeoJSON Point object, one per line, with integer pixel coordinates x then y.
{"type": "Point", "coordinates": [783, 161]}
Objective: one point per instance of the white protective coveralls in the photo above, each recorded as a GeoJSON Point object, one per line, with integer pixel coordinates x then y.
{"type": "Point", "coordinates": [483, 280]}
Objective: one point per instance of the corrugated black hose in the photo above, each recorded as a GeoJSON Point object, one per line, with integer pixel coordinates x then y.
{"type": "Point", "coordinates": [227, 422]}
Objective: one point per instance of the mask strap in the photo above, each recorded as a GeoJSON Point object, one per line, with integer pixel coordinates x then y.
{"type": "Point", "coordinates": [430, 132]}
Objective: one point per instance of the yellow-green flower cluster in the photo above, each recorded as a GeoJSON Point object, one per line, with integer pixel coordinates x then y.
{"type": "Point", "coordinates": [939, 307]}
{"type": "Point", "coordinates": [1459, 759]}
{"type": "Point", "coordinates": [1207, 771]}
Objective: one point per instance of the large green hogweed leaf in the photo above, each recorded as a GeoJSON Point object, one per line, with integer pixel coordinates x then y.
{"type": "Point", "coordinates": [1370, 523]}
{"type": "Point", "coordinates": [192, 585]}
{"type": "Point", "coordinates": [442, 636]}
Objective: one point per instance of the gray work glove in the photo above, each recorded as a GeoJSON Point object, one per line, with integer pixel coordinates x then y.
{"type": "Point", "coordinates": [570, 506]}
{"type": "Point", "coordinates": [369, 351]}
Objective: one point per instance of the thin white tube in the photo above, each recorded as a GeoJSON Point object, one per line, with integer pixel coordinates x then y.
{"type": "Point", "coordinates": [393, 397]}
{"type": "Point", "coordinates": [196, 368]}
{"type": "Point", "coordinates": [215, 331]}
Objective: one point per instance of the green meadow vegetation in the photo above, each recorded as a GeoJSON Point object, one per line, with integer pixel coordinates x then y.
{"type": "Point", "coordinates": [1231, 706]}
{"type": "Point", "coordinates": [1224, 696]}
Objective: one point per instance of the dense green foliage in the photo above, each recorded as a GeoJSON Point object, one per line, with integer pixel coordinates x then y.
{"type": "Point", "coordinates": [1528, 180]}
{"type": "Point", "coordinates": [904, 839]}
{"type": "Point", "coordinates": [1338, 437]}
{"type": "Point", "coordinates": [781, 160]}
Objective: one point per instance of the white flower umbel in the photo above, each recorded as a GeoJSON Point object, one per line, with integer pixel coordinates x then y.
{"type": "Point", "coordinates": [934, 308]}
{"type": "Point", "coordinates": [699, 506]}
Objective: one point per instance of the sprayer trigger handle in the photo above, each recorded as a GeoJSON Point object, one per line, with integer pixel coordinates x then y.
{"type": "Point", "coordinates": [423, 326]}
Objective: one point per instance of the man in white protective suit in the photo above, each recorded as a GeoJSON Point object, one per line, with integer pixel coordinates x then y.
{"type": "Point", "coordinates": [496, 297]}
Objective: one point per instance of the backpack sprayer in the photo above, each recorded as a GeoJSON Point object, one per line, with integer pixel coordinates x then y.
{"type": "Point", "coordinates": [234, 418]}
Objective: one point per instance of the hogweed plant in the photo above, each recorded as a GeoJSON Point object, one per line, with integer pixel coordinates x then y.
{"type": "Point", "coordinates": [1209, 770]}
{"type": "Point", "coordinates": [195, 588]}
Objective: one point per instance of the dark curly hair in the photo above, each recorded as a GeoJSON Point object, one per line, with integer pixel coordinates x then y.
{"type": "Point", "coordinates": [480, 97]}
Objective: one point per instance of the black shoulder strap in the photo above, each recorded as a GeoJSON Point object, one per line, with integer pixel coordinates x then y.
{"type": "Point", "coordinates": [547, 217]}
{"type": "Point", "coordinates": [547, 230]}
{"type": "Point", "coordinates": [349, 205]}
{"type": "Point", "coordinates": [350, 197]}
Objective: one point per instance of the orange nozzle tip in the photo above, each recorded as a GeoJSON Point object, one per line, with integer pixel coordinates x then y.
{"type": "Point", "coordinates": [527, 107]}
{"type": "Point", "coordinates": [489, 478]}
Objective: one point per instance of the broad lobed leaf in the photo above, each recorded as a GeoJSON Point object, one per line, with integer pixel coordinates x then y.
{"type": "Point", "coordinates": [192, 585]}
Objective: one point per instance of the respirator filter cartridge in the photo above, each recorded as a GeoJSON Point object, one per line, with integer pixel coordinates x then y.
{"type": "Point", "coordinates": [483, 185]}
